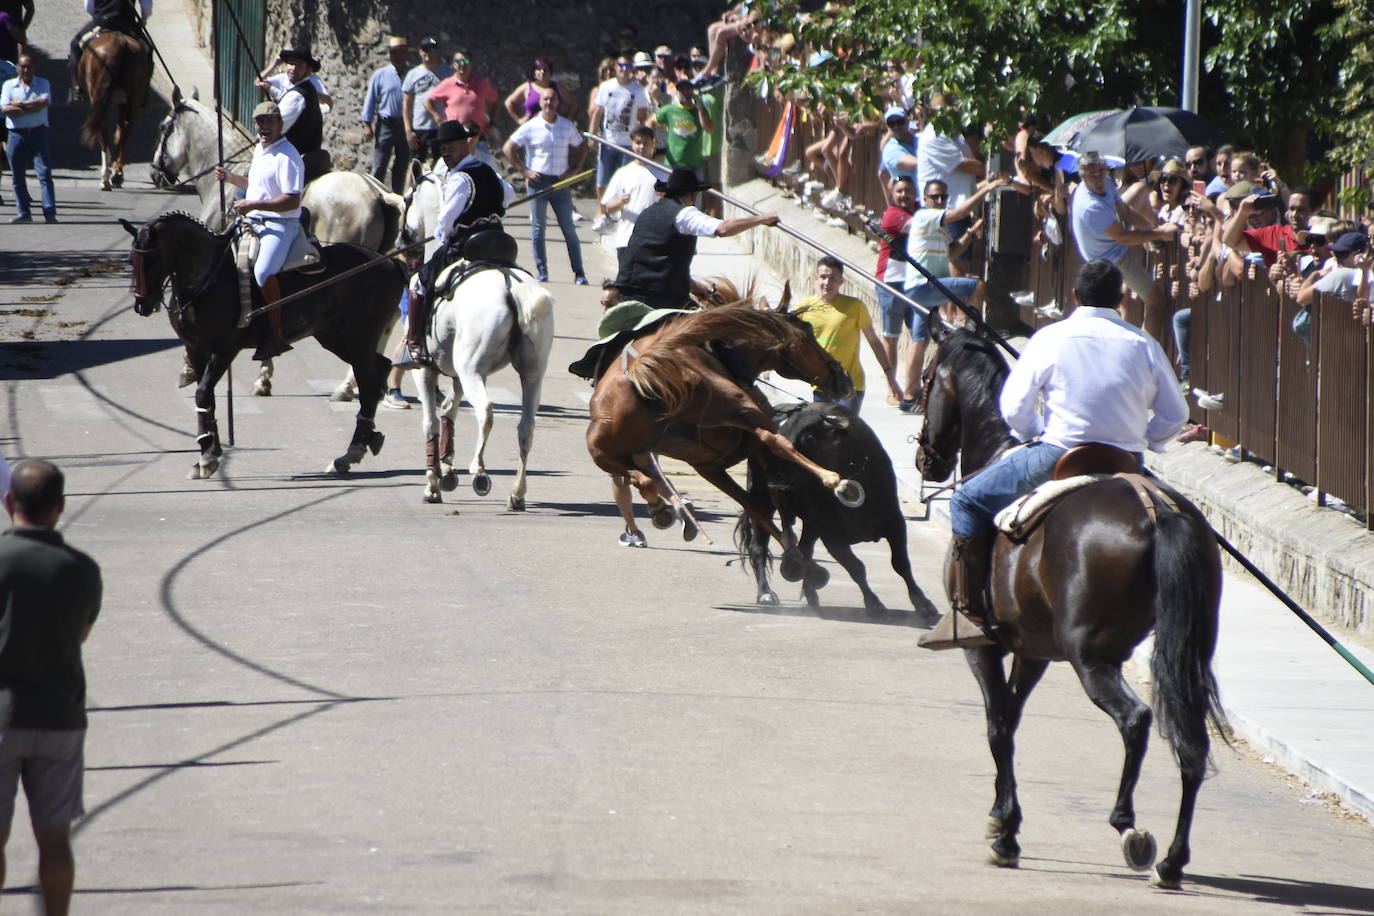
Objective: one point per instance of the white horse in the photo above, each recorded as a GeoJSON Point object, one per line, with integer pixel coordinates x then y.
{"type": "Point", "coordinates": [494, 318]}
{"type": "Point", "coordinates": [344, 206]}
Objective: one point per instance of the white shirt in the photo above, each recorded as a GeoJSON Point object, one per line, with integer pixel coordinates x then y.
{"type": "Point", "coordinates": [636, 180]}
{"type": "Point", "coordinates": [937, 159]}
{"type": "Point", "coordinates": [1100, 378]}
{"type": "Point", "coordinates": [691, 221]}
{"type": "Point", "coordinates": [620, 109]}
{"type": "Point", "coordinates": [275, 171]}
{"type": "Point", "coordinates": [546, 145]}
{"type": "Point", "coordinates": [457, 194]}
{"type": "Point", "coordinates": [291, 103]}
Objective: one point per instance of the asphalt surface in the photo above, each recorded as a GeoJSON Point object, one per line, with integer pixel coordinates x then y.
{"type": "Point", "coordinates": [315, 694]}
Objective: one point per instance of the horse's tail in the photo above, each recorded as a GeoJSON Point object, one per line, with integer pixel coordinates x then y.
{"type": "Point", "coordinates": [533, 307]}
{"type": "Point", "coordinates": [102, 93]}
{"type": "Point", "coordinates": [1187, 592]}
{"type": "Point", "coordinates": [659, 377]}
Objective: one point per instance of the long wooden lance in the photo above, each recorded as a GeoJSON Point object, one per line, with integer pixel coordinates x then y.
{"type": "Point", "coordinates": [352, 271]}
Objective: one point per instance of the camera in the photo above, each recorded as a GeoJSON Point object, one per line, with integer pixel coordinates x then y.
{"type": "Point", "coordinates": [1267, 202]}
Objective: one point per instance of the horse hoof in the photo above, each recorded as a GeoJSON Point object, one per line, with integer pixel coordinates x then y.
{"type": "Point", "coordinates": [342, 393]}
{"type": "Point", "coordinates": [339, 466]}
{"type": "Point", "coordinates": [767, 599]}
{"type": "Point", "coordinates": [187, 377]}
{"type": "Point", "coordinates": [817, 576]}
{"type": "Point", "coordinates": [262, 388]}
{"type": "Point", "coordinates": [117, 179]}
{"type": "Point", "coordinates": [432, 496]}
{"type": "Point", "coordinates": [1168, 884]}
{"type": "Point", "coordinates": [449, 481]}
{"type": "Point", "coordinates": [208, 468]}
{"type": "Point", "coordinates": [515, 503]}
{"type": "Point", "coordinates": [663, 517]}
{"type": "Point", "coordinates": [851, 494]}
{"type": "Point", "coordinates": [793, 566]}
{"type": "Point", "coordinates": [375, 443]}
{"type": "Point", "coordinates": [481, 484]}
{"type": "Point", "coordinates": [1138, 848]}
{"type": "Point", "coordinates": [194, 473]}
{"type": "Point", "coordinates": [1001, 861]}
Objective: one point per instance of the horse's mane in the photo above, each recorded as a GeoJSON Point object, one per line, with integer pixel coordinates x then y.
{"type": "Point", "coordinates": [978, 368]}
{"type": "Point", "coordinates": [741, 324]}
{"type": "Point", "coordinates": [182, 215]}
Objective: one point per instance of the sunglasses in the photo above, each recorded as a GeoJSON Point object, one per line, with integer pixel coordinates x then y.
{"type": "Point", "coordinates": [462, 60]}
{"type": "Point", "coordinates": [1172, 179]}
{"type": "Point", "coordinates": [620, 66]}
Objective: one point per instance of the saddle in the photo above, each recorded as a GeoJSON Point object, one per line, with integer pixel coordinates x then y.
{"type": "Point", "coordinates": [92, 34]}
{"type": "Point", "coordinates": [1079, 467]}
{"type": "Point", "coordinates": [480, 251]}
{"type": "Point", "coordinates": [305, 255]}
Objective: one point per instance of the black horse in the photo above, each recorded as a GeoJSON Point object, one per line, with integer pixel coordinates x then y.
{"type": "Point", "coordinates": [346, 318]}
{"type": "Point", "coordinates": [1085, 587]}
{"type": "Point", "coordinates": [834, 437]}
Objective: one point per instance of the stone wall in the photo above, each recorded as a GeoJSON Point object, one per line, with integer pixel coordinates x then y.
{"type": "Point", "coordinates": [349, 38]}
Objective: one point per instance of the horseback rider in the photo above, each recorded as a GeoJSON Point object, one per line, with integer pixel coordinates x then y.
{"type": "Point", "coordinates": [1101, 379]}
{"type": "Point", "coordinates": [474, 199]}
{"type": "Point", "coordinates": [298, 96]}
{"type": "Point", "coordinates": [272, 206]}
{"type": "Point", "coordinates": [656, 264]}
{"type": "Point", "coordinates": [110, 16]}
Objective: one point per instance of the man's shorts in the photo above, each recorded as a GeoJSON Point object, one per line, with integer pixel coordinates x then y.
{"type": "Point", "coordinates": [607, 161]}
{"type": "Point", "coordinates": [932, 298]}
{"type": "Point", "coordinates": [1132, 267]}
{"type": "Point", "coordinates": [51, 764]}
{"type": "Point", "coordinates": [892, 312]}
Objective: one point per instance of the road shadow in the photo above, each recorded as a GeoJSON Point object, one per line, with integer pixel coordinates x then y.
{"type": "Point", "coordinates": [1290, 892]}
{"type": "Point", "coordinates": [51, 359]}
{"type": "Point", "coordinates": [892, 617]}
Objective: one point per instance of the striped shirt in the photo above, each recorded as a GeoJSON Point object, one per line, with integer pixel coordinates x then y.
{"type": "Point", "coordinates": [546, 145]}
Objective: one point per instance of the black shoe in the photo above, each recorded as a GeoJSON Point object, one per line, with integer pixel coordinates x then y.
{"type": "Point", "coordinates": [49, 217]}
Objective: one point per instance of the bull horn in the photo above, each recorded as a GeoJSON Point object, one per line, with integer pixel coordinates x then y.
{"type": "Point", "coordinates": [837, 420]}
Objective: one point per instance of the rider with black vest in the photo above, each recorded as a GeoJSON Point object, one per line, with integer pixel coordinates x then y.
{"type": "Point", "coordinates": [474, 199]}
{"type": "Point", "coordinates": [112, 16]}
{"type": "Point", "coordinates": [297, 94]}
{"type": "Point", "coordinates": [656, 265]}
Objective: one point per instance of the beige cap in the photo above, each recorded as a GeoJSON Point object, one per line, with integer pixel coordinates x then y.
{"type": "Point", "coordinates": [395, 41]}
{"type": "Point", "coordinates": [265, 110]}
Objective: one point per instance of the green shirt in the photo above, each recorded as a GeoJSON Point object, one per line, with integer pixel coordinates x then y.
{"type": "Point", "coordinates": [684, 134]}
{"type": "Point", "coordinates": [713, 101]}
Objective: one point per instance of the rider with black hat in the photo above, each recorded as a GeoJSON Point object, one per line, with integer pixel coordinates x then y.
{"type": "Point", "coordinates": [656, 265]}
{"type": "Point", "coordinates": [298, 96]}
{"type": "Point", "coordinates": [474, 199]}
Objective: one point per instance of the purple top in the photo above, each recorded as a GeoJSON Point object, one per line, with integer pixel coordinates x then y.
{"type": "Point", "coordinates": [532, 91]}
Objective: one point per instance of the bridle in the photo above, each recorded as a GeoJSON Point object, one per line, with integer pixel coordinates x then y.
{"type": "Point", "coordinates": [139, 283]}
{"type": "Point", "coordinates": [925, 451]}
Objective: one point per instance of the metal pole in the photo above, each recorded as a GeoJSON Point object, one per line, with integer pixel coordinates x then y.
{"type": "Point", "coordinates": [219, 139]}
{"type": "Point", "coordinates": [1192, 39]}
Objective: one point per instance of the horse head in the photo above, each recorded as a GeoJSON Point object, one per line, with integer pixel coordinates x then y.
{"type": "Point", "coordinates": [937, 444]}
{"type": "Point", "coordinates": [145, 257]}
{"type": "Point", "coordinates": [172, 153]}
{"type": "Point", "coordinates": [959, 392]}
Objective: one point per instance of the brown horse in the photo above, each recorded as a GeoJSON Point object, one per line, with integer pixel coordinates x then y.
{"type": "Point", "coordinates": [1085, 587]}
{"type": "Point", "coordinates": [115, 70]}
{"type": "Point", "coordinates": [671, 393]}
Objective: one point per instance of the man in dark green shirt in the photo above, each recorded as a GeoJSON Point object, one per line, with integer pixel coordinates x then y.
{"type": "Point", "coordinates": [49, 599]}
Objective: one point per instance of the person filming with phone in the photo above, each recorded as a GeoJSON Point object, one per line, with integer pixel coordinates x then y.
{"type": "Point", "coordinates": [1256, 224]}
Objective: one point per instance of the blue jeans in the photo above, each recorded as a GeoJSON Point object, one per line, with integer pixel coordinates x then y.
{"type": "Point", "coordinates": [930, 296]}
{"type": "Point", "coordinates": [1183, 320]}
{"type": "Point", "coordinates": [561, 201]}
{"type": "Point", "coordinates": [29, 147]}
{"type": "Point", "coordinates": [976, 502]}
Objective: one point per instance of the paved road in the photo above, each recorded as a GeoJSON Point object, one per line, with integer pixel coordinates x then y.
{"type": "Point", "coordinates": [315, 694]}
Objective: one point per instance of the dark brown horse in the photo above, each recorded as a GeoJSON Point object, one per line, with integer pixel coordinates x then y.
{"type": "Point", "coordinates": [671, 393]}
{"type": "Point", "coordinates": [1085, 587]}
{"type": "Point", "coordinates": [115, 70]}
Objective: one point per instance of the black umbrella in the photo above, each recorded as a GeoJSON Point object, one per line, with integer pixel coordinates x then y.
{"type": "Point", "coordinates": [1140, 133]}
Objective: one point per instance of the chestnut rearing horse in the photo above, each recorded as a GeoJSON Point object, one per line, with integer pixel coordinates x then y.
{"type": "Point", "coordinates": [670, 392]}
{"type": "Point", "coordinates": [1092, 580]}
{"type": "Point", "coordinates": [115, 70]}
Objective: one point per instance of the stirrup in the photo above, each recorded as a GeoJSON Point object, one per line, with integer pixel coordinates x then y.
{"type": "Point", "coordinates": [413, 358]}
{"type": "Point", "coordinates": [955, 631]}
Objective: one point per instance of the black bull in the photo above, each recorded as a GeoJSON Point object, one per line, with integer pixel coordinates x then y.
{"type": "Point", "coordinates": [834, 437]}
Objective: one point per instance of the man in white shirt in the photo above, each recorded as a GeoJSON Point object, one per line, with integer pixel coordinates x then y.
{"type": "Point", "coordinates": [950, 160]}
{"type": "Point", "coordinates": [272, 206]}
{"type": "Point", "coordinates": [1101, 380]}
{"type": "Point", "coordinates": [302, 100]}
{"type": "Point", "coordinates": [543, 148]}
{"type": "Point", "coordinates": [621, 105]}
{"type": "Point", "coordinates": [24, 101]}
{"type": "Point", "coordinates": [631, 189]}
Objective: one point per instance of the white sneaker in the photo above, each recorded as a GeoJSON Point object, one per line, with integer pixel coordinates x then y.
{"type": "Point", "coordinates": [395, 400]}
{"type": "Point", "coordinates": [1209, 401]}
{"type": "Point", "coordinates": [831, 199]}
{"type": "Point", "coordinates": [599, 223]}
{"type": "Point", "coordinates": [578, 217]}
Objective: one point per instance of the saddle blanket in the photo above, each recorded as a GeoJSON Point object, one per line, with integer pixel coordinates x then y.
{"type": "Point", "coordinates": [1020, 518]}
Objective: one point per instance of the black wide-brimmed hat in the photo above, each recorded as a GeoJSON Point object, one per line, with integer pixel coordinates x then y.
{"type": "Point", "coordinates": [450, 131]}
{"type": "Point", "coordinates": [299, 54]}
{"type": "Point", "coordinates": [682, 181]}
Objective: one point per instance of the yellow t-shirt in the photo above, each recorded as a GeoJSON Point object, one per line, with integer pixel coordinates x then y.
{"type": "Point", "coordinates": [838, 326]}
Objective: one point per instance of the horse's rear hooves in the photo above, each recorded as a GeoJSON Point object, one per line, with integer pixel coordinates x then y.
{"type": "Point", "coordinates": [481, 484]}
{"type": "Point", "coordinates": [1138, 848]}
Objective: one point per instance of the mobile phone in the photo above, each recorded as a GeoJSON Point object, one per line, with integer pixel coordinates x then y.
{"type": "Point", "coordinates": [1200, 188]}
{"type": "Point", "coordinates": [1267, 202]}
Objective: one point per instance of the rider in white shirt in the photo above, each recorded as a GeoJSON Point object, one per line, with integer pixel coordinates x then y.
{"type": "Point", "coordinates": [272, 205]}
{"type": "Point", "coordinates": [1101, 380]}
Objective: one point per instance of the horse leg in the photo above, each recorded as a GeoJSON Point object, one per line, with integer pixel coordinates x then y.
{"type": "Point", "coordinates": [370, 370]}
{"type": "Point", "coordinates": [531, 385]}
{"type": "Point", "coordinates": [476, 389]}
{"type": "Point", "coordinates": [1003, 702]}
{"type": "Point", "coordinates": [648, 483]}
{"type": "Point", "coordinates": [262, 385]}
{"type": "Point", "coordinates": [1192, 767]}
{"type": "Point", "coordinates": [105, 183]}
{"type": "Point", "coordinates": [425, 380]}
{"type": "Point", "coordinates": [207, 430]}
{"type": "Point", "coordinates": [123, 121]}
